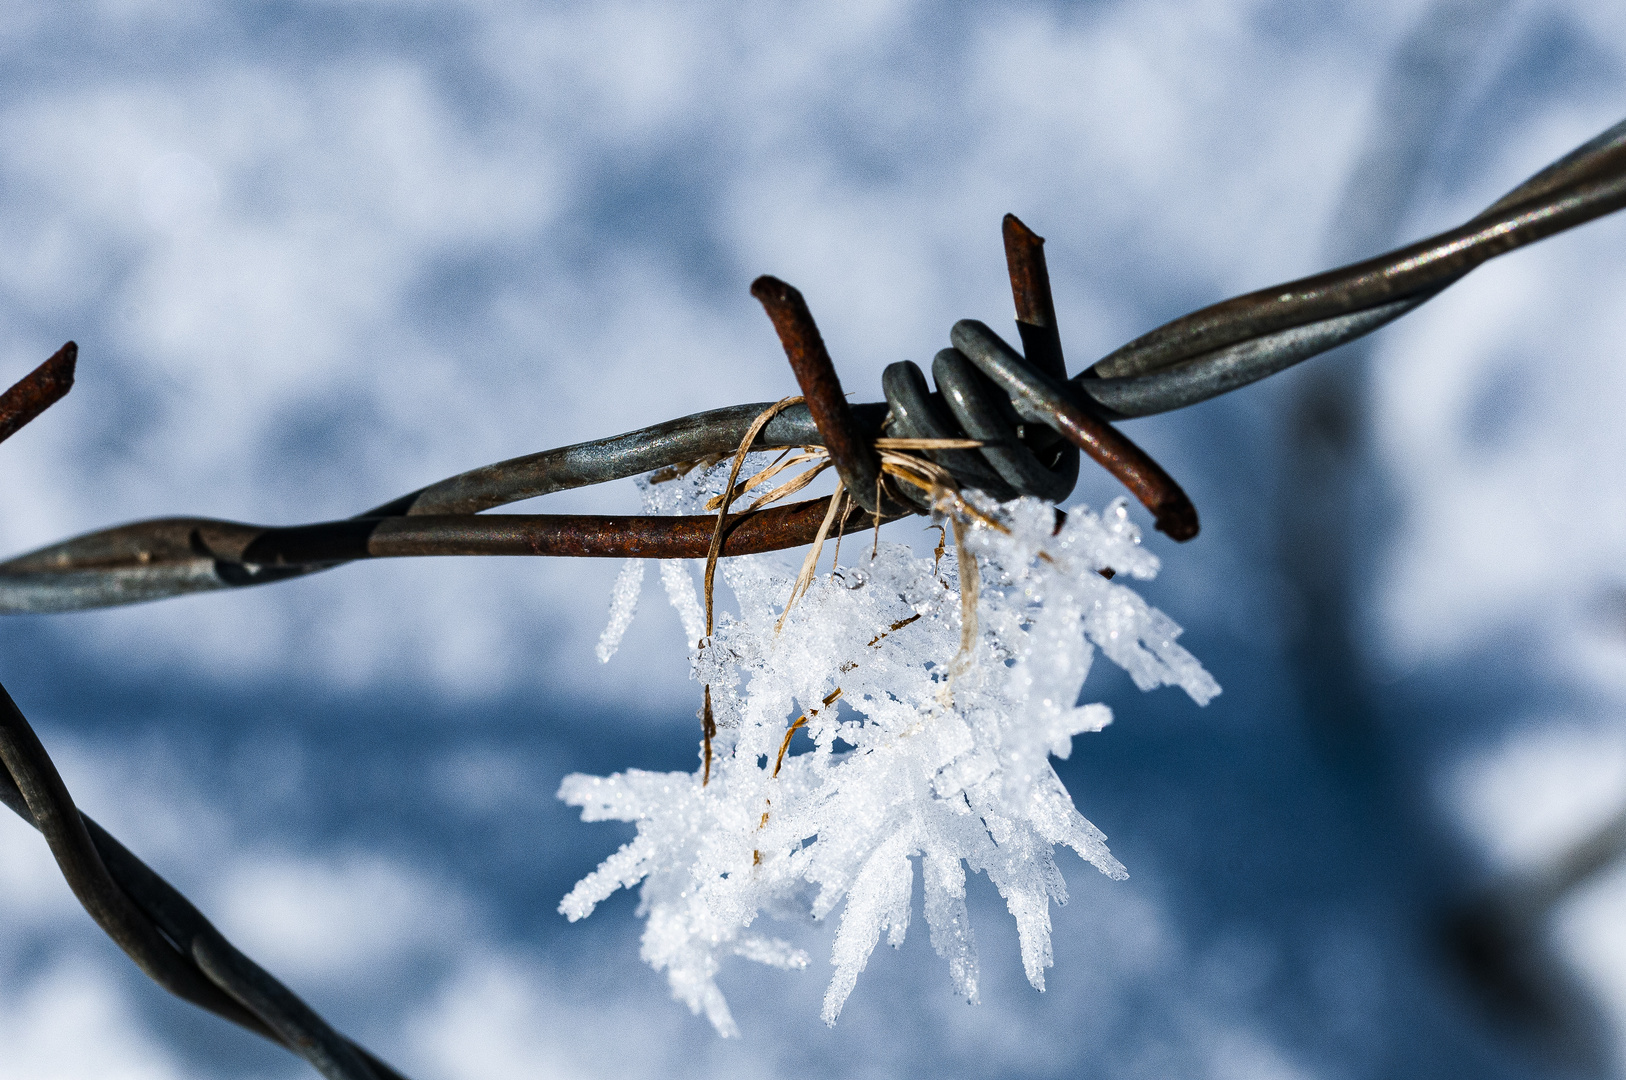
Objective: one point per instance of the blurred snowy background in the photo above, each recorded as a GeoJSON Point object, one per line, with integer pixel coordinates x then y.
{"type": "Point", "coordinates": [317, 254]}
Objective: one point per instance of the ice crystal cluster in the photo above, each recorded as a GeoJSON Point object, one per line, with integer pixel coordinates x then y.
{"type": "Point", "coordinates": [928, 751]}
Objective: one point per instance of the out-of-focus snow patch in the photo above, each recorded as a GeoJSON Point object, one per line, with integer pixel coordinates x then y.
{"type": "Point", "coordinates": [30, 882]}
{"type": "Point", "coordinates": [1546, 787]}
{"type": "Point", "coordinates": [338, 919]}
{"type": "Point", "coordinates": [1592, 646]}
{"type": "Point", "coordinates": [1590, 931]}
{"type": "Point", "coordinates": [1496, 414]}
{"type": "Point", "coordinates": [1241, 1054]}
{"type": "Point", "coordinates": [73, 1022]}
{"type": "Point", "coordinates": [484, 780]}
{"type": "Point", "coordinates": [150, 797]}
{"type": "Point", "coordinates": [1127, 974]}
{"type": "Point", "coordinates": [502, 1019]}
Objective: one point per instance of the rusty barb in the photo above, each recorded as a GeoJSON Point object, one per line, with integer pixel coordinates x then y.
{"type": "Point", "coordinates": [1004, 421]}
{"type": "Point", "coordinates": [856, 461]}
{"type": "Point", "coordinates": [38, 390]}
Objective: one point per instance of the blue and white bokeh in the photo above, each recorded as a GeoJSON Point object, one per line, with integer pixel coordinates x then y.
{"type": "Point", "coordinates": [317, 254]}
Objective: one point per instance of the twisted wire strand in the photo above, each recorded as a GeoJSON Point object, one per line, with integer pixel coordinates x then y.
{"type": "Point", "coordinates": [1244, 339]}
{"type": "Point", "coordinates": [1020, 404]}
{"type": "Point", "coordinates": [158, 928]}
{"type": "Point", "coordinates": [164, 557]}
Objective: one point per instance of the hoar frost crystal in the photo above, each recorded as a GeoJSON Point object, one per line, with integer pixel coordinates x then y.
{"type": "Point", "coordinates": [917, 749]}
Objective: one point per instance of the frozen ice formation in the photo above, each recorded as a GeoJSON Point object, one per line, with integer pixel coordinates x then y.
{"type": "Point", "coordinates": [623, 606]}
{"type": "Point", "coordinates": [859, 737]}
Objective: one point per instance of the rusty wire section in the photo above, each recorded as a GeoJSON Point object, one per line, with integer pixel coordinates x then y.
{"type": "Point", "coordinates": [38, 390]}
{"type": "Point", "coordinates": [1027, 421]}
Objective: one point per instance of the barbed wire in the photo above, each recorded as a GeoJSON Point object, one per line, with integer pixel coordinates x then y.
{"type": "Point", "coordinates": [1030, 420]}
